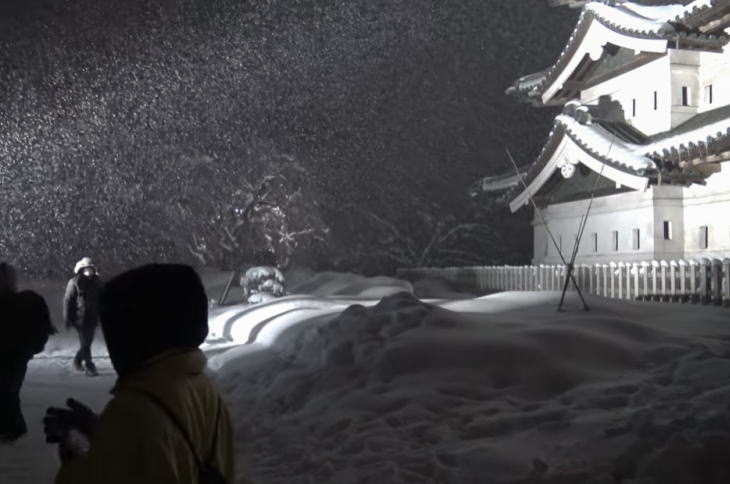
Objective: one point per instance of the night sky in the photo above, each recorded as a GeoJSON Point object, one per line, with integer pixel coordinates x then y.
{"type": "Point", "coordinates": [392, 109]}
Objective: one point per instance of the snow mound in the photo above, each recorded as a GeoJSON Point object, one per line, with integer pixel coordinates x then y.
{"type": "Point", "coordinates": [405, 391]}
{"type": "Point", "coordinates": [346, 284]}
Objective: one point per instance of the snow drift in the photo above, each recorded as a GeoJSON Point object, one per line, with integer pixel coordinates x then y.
{"type": "Point", "coordinates": [501, 389]}
{"type": "Point", "coordinates": [346, 284]}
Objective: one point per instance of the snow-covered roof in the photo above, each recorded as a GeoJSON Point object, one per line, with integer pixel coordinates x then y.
{"type": "Point", "coordinates": [640, 20]}
{"type": "Point", "coordinates": [576, 138]}
{"type": "Point", "coordinates": [606, 147]}
{"type": "Point", "coordinates": [636, 27]}
{"type": "Point", "coordinates": [573, 141]}
{"type": "Point", "coordinates": [704, 15]}
{"type": "Point", "coordinates": [695, 134]}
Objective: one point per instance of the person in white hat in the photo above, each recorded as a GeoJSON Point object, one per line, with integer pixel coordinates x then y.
{"type": "Point", "coordinates": [80, 311]}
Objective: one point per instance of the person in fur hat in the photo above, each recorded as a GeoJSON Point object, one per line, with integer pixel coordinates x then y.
{"type": "Point", "coordinates": [80, 311]}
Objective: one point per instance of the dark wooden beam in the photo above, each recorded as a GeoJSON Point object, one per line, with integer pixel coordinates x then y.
{"type": "Point", "coordinates": [637, 61]}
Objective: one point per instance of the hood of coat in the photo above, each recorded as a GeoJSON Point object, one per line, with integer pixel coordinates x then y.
{"type": "Point", "coordinates": [151, 310]}
{"type": "Point", "coordinates": [157, 373]}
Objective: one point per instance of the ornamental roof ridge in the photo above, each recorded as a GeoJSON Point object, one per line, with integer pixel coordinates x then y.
{"type": "Point", "coordinates": [630, 21]}
{"type": "Point", "coordinates": [619, 153]}
{"type": "Point", "coordinates": [701, 137]}
{"type": "Point", "coordinates": [625, 18]}
{"type": "Point", "coordinates": [693, 8]}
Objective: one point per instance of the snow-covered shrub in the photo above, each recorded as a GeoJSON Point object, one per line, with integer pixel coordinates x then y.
{"type": "Point", "coordinates": [262, 283]}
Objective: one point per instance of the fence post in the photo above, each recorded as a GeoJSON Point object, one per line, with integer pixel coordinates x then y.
{"type": "Point", "coordinates": [591, 282]}
{"type": "Point", "coordinates": [541, 283]}
{"type": "Point", "coordinates": [682, 280]}
{"type": "Point", "coordinates": [550, 274]}
{"type": "Point", "coordinates": [635, 273]}
{"type": "Point", "coordinates": [612, 278]}
{"type": "Point", "coordinates": [645, 273]}
{"type": "Point", "coordinates": [654, 284]}
{"type": "Point", "coordinates": [673, 279]}
{"type": "Point", "coordinates": [619, 273]}
{"type": "Point", "coordinates": [694, 296]}
{"type": "Point", "coordinates": [604, 271]}
{"type": "Point", "coordinates": [716, 283]}
{"type": "Point", "coordinates": [705, 283]}
{"type": "Point", "coordinates": [663, 264]}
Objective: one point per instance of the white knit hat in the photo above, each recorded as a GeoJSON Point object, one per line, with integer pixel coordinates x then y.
{"type": "Point", "coordinates": [83, 263]}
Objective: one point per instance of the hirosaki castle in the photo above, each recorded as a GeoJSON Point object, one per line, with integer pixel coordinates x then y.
{"type": "Point", "coordinates": [644, 131]}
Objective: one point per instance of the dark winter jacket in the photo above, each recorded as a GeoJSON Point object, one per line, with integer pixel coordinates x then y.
{"type": "Point", "coordinates": [25, 324]}
{"type": "Point", "coordinates": [81, 302]}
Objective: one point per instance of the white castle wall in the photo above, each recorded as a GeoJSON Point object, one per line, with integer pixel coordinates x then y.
{"type": "Point", "coordinates": [666, 77]}
{"type": "Point", "coordinates": [708, 206]}
{"type": "Point", "coordinates": [638, 86]}
{"type": "Point", "coordinates": [698, 71]}
{"type": "Point", "coordinates": [687, 210]}
{"type": "Point", "coordinates": [621, 213]}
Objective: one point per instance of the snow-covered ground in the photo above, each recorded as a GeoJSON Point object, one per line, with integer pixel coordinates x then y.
{"type": "Point", "coordinates": [498, 389]}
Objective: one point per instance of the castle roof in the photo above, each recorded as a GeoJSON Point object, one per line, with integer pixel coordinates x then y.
{"type": "Point", "coordinates": [621, 153]}
{"type": "Point", "coordinates": [706, 16]}
{"type": "Point", "coordinates": [642, 29]}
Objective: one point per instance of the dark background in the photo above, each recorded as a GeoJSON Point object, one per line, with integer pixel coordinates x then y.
{"type": "Point", "coordinates": [137, 131]}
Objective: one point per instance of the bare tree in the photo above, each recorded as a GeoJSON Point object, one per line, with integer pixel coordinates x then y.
{"type": "Point", "coordinates": [261, 206]}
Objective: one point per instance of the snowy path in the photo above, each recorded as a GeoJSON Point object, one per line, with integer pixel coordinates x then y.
{"type": "Point", "coordinates": [50, 380]}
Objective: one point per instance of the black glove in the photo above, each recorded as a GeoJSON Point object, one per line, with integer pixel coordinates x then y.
{"type": "Point", "coordinates": [58, 422]}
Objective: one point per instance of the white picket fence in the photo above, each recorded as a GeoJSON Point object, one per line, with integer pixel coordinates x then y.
{"type": "Point", "coordinates": [696, 280]}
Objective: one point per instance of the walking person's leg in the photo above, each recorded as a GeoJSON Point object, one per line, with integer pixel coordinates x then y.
{"type": "Point", "coordinates": [80, 354]}
{"type": "Point", "coordinates": [88, 340]}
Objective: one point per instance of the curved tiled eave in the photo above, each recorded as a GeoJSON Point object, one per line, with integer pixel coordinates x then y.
{"type": "Point", "coordinates": [700, 13]}
{"type": "Point", "coordinates": [689, 146]}
{"type": "Point", "coordinates": [589, 38]}
{"type": "Point", "coordinates": [564, 142]}
{"type": "Point", "coordinates": [598, 25]}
